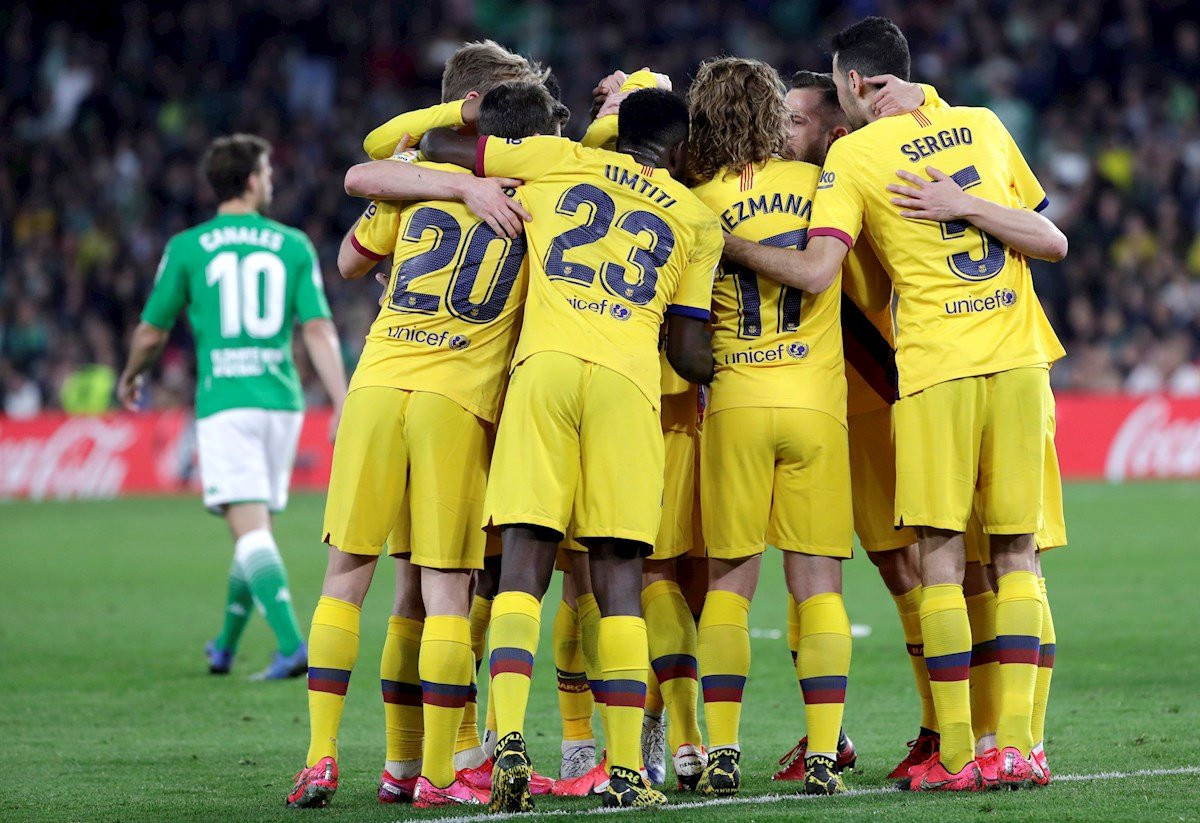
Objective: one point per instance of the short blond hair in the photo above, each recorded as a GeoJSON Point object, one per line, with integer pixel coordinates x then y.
{"type": "Point", "coordinates": [483, 65]}
{"type": "Point", "coordinates": [739, 116]}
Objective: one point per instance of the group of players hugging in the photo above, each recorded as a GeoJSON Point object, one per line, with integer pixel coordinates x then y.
{"type": "Point", "coordinates": [756, 317]}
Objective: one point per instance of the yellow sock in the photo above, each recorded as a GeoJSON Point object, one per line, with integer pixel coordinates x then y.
{"type": "Point", "coordinates": [1041, 692]}
{"type": "Point", "coordinates": [1018, 639]}
{"type": "Point", "coordinates": [623, 656]}
{"type": "Point", "coordinates": [985, 666]}
{"type": "Point", "coordinates": [908, 606]}
{"type": "Point", "coordinates": [446, 665]}
{"type": "Point", "coordinates": [654, 698]}
{"type": "Point", "coordinates": [671, 635]}
{"type": "Point", "coordinates": [823, 664]}
{"type": "Point", "coordinates": [574, 696]}
{"type": "Point", "coordinates": [723, 647]}
{"type": "Point", "coordinates": [468, 730]}
{"type": "Point", "coordinates": [332, 650]}
{"type": "Point", "coordinates": [516, 621]}
{"type": "Point", "coordinates": [947, 635]}
{"type": "Point", "coordinates": [400, 679]}
{"type": "Point", "coordinates": [481, 618]}
{"type": "Point", "coordinates": [589, 641]}
{"type": "Point", "coordinates": [793, 621]}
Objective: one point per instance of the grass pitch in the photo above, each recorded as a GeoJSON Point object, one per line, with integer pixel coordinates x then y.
{"type": "Point", "coordinates": [109, 713]}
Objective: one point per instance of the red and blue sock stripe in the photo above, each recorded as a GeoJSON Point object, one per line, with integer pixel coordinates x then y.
{"type": "Point", "coordinates": [1018, 648]}
{"type": "Point", "coordinates": [511, 660]}
{"type": "Point", "coordinates": [333, 681]}
{"type": "Point", "coordinates": [944, 668]}
{"type": "Point", "coordinates": [619, 692]}
{"type": "Point", "coordinates": [826, 689]}
{"type": "Point", "coordinates": [446, 695]}
{"type": "Point", "coordinates": [399, 693]}
{"type": "Point", "coordinates": [1046, 656]}
{"type": "Point", "coordinates": [674, 666]}
{"type": "Point", "coordinates": [722, 688]}
{"type": "Point", "coordinates": [984, 653]}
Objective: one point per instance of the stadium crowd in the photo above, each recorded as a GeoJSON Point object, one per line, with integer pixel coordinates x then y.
{"type": "Point", "coordinates": [108, 111]}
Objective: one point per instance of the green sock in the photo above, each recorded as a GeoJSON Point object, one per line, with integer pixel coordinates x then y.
{"type": "Point", "coordinates": [263, 567]}
{"type": "Point", "coordinates": [238, 603]}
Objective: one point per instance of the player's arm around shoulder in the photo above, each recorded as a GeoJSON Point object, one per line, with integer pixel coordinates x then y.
{"type": "Point", "coordinates": [405, 130]}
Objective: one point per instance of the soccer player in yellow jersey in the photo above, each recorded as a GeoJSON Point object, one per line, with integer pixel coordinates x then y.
{"type": "Point", "coordinates": [413, 451]}
{"type": "Point", "coordinates": [817, 120]}
{"type": "Point", "coordinates": [614, 245]}
{"type": "Point", "coordinates": [973, 356]}
{"type": "Point", "coordinates": [774, 457]}
{"type": "Point", "coordinates": [672, 680]}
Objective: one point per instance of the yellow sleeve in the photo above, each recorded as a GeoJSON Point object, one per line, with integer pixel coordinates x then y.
{"type": "Point", "coordinates": [375, 234]}
{"type": "Point", "coordinates": [602, 134]}
{"type": "Point", "coordinates": [932, 100]}
{"type": "Point", "coordinates": [526, 158]}
{"type": "Point", "coordinates": [1024, 181]}
{"type": "Point", "coordinates": [838, 204]}
{"type": "Point", "coordinates": [382, 141]}
{"type": "Point", "coordinates": [693, 294]}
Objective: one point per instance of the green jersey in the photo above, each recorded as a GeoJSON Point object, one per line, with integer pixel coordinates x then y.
{"type": "Point", "coordinates": [245, 280]}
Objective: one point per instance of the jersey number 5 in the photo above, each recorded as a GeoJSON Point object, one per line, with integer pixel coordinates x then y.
{"type": "Point", "coordinates": [963, 264]}
{"type": "Point", "coordinates": [602, 217]}
{"type": "Point", "coordinates": [750, 299]}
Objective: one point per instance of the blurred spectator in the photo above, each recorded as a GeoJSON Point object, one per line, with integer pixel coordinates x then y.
{"type": "Point", "coordinates": [108, 114]}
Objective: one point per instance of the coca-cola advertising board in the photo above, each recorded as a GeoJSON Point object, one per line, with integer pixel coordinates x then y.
{"type": "Point", "coordinates": [54, 456]}
{"type": "Point", "coordinates": [1100, 437]}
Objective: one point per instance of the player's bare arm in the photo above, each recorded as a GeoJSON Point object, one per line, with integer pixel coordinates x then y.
{"type": "Point", "coordinates": [144, 350]}
{"type": "Point", "coordinates": [689, 348]}
{"type": "Point", "coordinates": [895, 96]}
{"type": "Point", "coordinates": [325, 352]}
{"type": "Point", "coordinates": [448, 146]}
{"type": "Point", "coordinates": [353, 264]}
{"type": "Point", "coordinates": [812, 269]}
{"type": "Point", "coordinates": [484, 196]}
{"type": "Point", "coordinates": [942, 199]}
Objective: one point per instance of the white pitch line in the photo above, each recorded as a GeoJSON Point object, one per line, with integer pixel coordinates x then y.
{"type": "Point", "coordinates": [780, 798]}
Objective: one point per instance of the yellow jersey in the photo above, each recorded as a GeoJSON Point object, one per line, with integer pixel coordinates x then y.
{"type": "Point", "coordinates": [966, 304]}
{"type": "Point", "coordinates": [450, 315]}
{"type": "Point", "coordinates": [613, 246]}
{"type": "Point", "coordinates": [383, 140]}
{"type": "Point", "coordinates": [774, 345]}
{"type": "Point", "coordinates": [867, 285]}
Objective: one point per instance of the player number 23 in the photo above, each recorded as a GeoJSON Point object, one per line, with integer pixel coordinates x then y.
{"type": "Point", "coordinates": [602, 216]}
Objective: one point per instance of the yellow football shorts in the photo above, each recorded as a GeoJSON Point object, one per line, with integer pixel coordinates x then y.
{"type": "Point", "coordinates": [579, 445]}
{"type": "Point", "coordinates": [775, 476]}
{"type": "Point", "coordinates": [973, 443]}
{"type": "Point", "coordinates": [680, 532]}
{"type": "Point", "coordinates": [873, 481]}
{"type": "Point", "coordinates": [1053, 532]}
{"type": "Point", "coordinates": [399, 451]}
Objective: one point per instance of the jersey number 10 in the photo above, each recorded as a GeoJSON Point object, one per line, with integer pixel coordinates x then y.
{"type": "Point", "coordinates": [251, 292]}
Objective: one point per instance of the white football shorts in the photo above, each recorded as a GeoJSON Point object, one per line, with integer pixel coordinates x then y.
{"type": "Point", "coordinates": [246, 456]}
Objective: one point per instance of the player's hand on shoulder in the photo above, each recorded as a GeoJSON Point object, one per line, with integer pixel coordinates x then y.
{"type": "Point", "coordinates": [896, 96]}
{"type": "Point", "coordinates": [940, 199]}
{"type": "Point", "coordinates": [612, 104]}
{"type": "Point", "coordinates": [488, 200]}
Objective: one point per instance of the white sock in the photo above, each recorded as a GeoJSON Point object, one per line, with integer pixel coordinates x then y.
{"type": "Point", "coordinates": [471, 758]}
{"type": "Point", "coordinates": [403, 769]}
